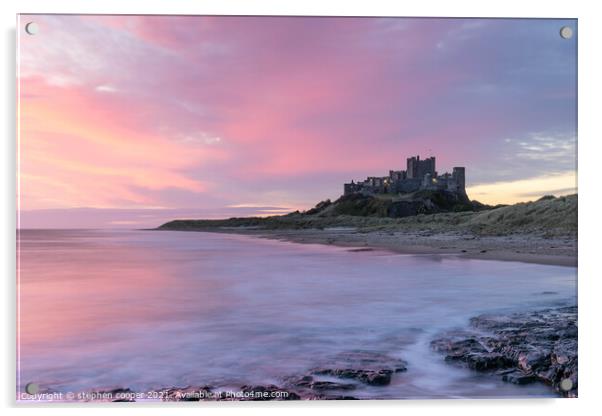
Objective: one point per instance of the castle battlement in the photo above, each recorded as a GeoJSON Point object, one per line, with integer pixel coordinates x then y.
{"type": "Point", "coordinates": [419, 174]}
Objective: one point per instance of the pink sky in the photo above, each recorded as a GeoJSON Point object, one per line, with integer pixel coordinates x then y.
{"type": "Point", "coordinates": [127, 121]}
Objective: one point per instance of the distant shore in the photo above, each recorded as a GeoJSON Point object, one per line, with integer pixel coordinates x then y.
{"type": "Point", "coordinates": [542, 232]}
{"type": "Point", "coordinates": [557, 251]}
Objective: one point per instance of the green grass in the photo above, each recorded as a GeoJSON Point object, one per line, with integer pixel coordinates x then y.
{"type": "Point", "coordinates": [547, 217]}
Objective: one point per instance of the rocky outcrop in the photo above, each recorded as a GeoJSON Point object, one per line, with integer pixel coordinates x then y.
{"type": "Point", "coordinates": [370, 368]}
{"type": "Point", "coordinates": [520, 348]}
{"type": "Point", "coordinates": [406, 205]}
{"type": "Point", "coordinates": [336, 379]}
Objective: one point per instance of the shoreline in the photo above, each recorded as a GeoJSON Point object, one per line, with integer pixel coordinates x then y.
{"type": "Point", "coordinates": [524, 248]}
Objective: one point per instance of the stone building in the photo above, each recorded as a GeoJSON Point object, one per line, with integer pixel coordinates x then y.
{"type": "Point", "coordinates": [419, 175]}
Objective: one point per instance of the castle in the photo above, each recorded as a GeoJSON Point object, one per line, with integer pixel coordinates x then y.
{"type": "Point", "coordinates": [419, 175]}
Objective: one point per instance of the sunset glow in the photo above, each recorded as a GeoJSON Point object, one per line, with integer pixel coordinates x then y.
{"type": "Point", "coordinates": [222, 116]}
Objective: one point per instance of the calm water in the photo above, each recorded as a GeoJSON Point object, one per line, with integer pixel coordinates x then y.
{"type": "Point", "coordinates": [147, 309]}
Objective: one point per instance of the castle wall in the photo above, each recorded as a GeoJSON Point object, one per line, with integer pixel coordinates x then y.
{"type": "Point", "coordinates": [420, 174]}
{"type": "Point", "coordinates": [397, 175]}
{"type": "Point", "coordinates": [407, 185]}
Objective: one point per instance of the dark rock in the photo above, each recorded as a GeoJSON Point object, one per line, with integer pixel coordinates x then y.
{"type": "Point", "coordinates": [330, 385]}
{"type": "Point", "coordinates": [472, 352]}
{"type": "Point", "coordinates": [518, 377]}
{"type": "Point", "coordinates": [123, 395]}
{"type": "Point", "coordinates": [118, 394]}
{"type": "Point", "coordinates": [531, 361]}
{"type": "Point", "coordinates": [457, 349]}
{"type": "Point", "coordinates": [187, 394]}
{"type": "Point", "coordinates": [309, 382]}
{"type": "Point", "coordinates": [367, 367]}
{"type": "Point", "coordinates": [533, 346]}
{"type": "Point", "coordinates": [487, 361]}
{"type": "Point", "coordinates": [372, 377]}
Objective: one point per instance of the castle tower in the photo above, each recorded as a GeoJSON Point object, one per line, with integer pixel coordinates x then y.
{"type": "Point", "coordinates": [459, 175]}
{"type": "Point", "coordinates": [428, 166]}
{"type": "Point", "coordinates": [411, 165]}
{"type": "Point", "coordinates": [417, 168]}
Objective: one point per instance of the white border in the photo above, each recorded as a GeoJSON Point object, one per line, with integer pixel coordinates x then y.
{"type": "Point", "coordinates": [590, 34]}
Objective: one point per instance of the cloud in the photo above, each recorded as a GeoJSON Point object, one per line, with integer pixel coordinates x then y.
{"type": "Point", "coordinates": [213, 111]}
{"type": "Point", "coordinates": [563, 183]}
{"type": "Point", "coordinates": [201, 138]}
{"type": "Point", "coordinates": [105, 88]}
{"type": "Point", "coordinates": [73, 156]}
{"type": "Point", "coordinates": [556, 149]}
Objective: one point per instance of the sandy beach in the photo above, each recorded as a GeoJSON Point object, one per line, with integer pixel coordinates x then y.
{"type": "Point", "coordinates": [559, 251]}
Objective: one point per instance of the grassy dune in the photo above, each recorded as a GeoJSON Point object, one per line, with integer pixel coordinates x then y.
{"type": "Point", "coordinates": [548, 216]}
{"type": "Point", "coordinates": [556, 216]}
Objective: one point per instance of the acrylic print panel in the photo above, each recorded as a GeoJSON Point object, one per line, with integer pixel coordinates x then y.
{"type": "Point", "coordinates": [376, 208]}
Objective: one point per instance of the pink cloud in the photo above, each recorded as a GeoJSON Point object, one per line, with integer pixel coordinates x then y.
{"type": "Point", "coordinates": [79, 149]}
{"type": "Point", "coordinates": [146, 110]}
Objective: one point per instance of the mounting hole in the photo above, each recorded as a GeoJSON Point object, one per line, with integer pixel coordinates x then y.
{"type": "Point", "coordinates": [31, 28]}
{"type": "Point", "coordinates": [566, 384]}
{"type": "Point", "coordinates": [32, 388]}
{"type": "Point", "coordinates": [566, 32]}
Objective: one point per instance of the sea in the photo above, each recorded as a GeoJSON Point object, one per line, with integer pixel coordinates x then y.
{"type": "Point", "coordinates": [148, 310]}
